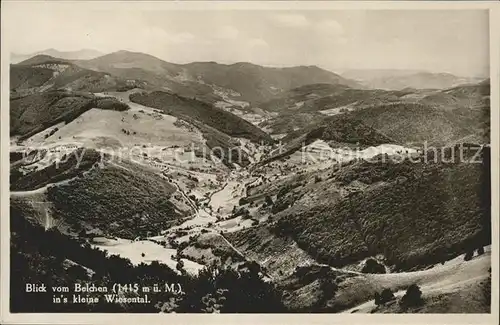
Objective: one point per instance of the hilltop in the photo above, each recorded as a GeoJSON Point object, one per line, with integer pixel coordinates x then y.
{"type": "Point", "coordinates": [43, 58]}
{"type": "Point", "coordinates": [257, 83]}
{"type": "Point", "coordinates": [324, 97]}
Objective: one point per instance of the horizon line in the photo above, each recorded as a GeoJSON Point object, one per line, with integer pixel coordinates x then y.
{"type": "Point", "coordinates": [337, 70]}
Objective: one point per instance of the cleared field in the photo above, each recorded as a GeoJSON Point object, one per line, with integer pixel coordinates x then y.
{"type": "Point", "coordinates": [125, 129]}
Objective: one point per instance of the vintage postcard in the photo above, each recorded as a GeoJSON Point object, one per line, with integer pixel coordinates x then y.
{"type": "Point", "coordinates": [271, 162]}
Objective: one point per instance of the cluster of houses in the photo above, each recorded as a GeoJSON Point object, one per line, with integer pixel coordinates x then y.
{"type": "Point", "coordinates": [64, 148]}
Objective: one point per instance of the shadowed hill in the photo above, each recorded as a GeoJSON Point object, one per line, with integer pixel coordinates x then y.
{"type": "Point", "coordinates": [86, 190]}
{"type": "Point", "coordinates": [291, 121]}
{"type": "Point", "coordinates": [34, 113]}
{"type": "Point", "coordinates": [26, 77]}
{"type": "Point", "coordinates": [340, 129]}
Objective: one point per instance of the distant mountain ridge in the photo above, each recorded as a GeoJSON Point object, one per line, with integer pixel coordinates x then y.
{"type": "Point", "coordinates": [84, 54]}
{"type": "Point", "coordinates": [400, 79]}
{"type": "Point", "coordinates": [241, 81]}
{"type": "Point", "coordinates": [43, 73]}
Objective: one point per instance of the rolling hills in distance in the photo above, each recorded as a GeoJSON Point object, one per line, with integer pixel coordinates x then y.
{"type": "Point", "coordinates": [299, 195]}
{"type": "Point", "coordinates": [400, 79]}
{"type": "Point", "coordinates": [84, 54]}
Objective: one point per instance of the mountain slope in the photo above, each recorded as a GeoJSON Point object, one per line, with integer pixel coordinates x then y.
{"type": "Point", "coordinates": [43, 58]}
{"type": "Point", "coordinates": [288, 122]}
{"type": "Point", "coordinates": [26, 77]}
{"type": "Point", "coordinates": [413, 123]}
{"type": "Point", "coordinates": [435, 121]}
{"type": "Point", "coordinates": [469, 96]}
{"type": "Point", "coordinates": [42, 73]}
{"type": "Point", "coordinates": [408, 211]}
{"type": "Point", "coordinates": [120, 202]}
{"type": "Point", "coordinates": [191, 109]}
{"type": "Point", "coordinates": [128, 60]}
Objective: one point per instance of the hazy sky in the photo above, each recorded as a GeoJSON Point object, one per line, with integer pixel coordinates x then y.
{"type": "Point", "coordinates": [455, 41]}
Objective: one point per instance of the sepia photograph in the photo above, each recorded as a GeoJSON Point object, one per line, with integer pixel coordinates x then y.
{"type": "Point", "coordinates": [261, 160]}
